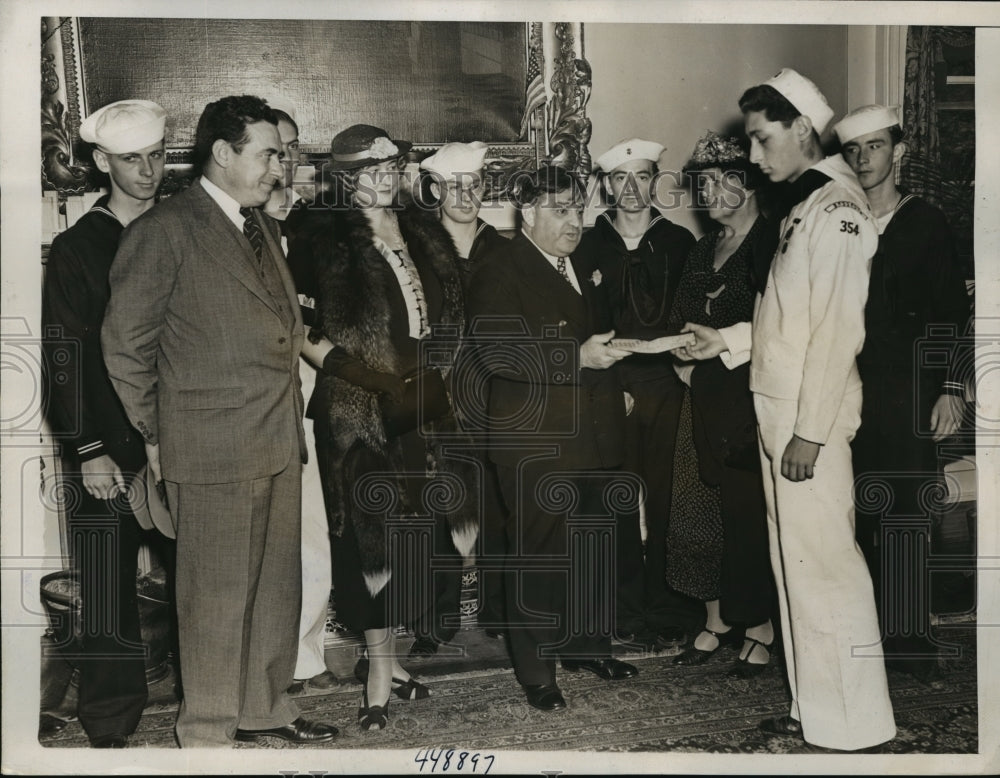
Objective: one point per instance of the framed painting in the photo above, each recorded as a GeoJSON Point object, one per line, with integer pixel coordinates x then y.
{"type": "Point", "coordinates": [522, 87]}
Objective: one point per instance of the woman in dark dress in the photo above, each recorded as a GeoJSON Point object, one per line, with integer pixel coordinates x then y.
{"type": "Point", "coordinates": [715, 297]}
{"type": "Point", "coordinates": [385, 275]}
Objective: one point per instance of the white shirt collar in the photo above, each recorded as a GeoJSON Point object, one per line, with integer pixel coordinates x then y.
{"type": "Point", "coordinates": [229, 206]}
{"type": "Point", "coordinates": [554, 261]}
{"type": "Point", "coordinates": [550, 257]}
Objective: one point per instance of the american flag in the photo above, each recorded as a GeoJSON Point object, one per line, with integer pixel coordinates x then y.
{"type": "Point", "coordinates": [535, 91]}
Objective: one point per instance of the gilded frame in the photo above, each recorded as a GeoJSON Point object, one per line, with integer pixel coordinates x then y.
{"type": "Point", "coordinates": [555, 127]}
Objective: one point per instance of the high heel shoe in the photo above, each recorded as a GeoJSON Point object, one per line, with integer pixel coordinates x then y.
{"type": "Point", "coordinates": [743, 667]}
{"type": "Point", "coordinates": [410, 689]}
{"type": "Point", "coordinates": [373, 716]}
{"type": "Point", "coordinates": [698, 656]}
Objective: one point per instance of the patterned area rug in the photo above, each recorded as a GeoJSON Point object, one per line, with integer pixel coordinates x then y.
{"type": "Point", "coordinates": [477, 704]}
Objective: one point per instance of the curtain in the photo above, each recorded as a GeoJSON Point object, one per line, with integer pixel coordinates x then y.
{"type": "Point", "coordinates": [949, 187]}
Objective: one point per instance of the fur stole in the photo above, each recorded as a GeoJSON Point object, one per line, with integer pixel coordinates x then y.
{"type": "Point", "coordinates": [353, 311]}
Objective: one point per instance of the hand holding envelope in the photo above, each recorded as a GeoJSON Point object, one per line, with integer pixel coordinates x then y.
{"type": "Point", "coordinates": [656, 346]}
{"type": "Point", "coordinates": [705, 343]}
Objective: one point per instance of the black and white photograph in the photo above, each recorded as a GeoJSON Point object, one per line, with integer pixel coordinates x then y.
{"type": "Point", "coordinates": [456, 387]}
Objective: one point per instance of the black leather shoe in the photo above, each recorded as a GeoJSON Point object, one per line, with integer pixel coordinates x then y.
{"type": "Point", "coordinates": [495, 634]}
{"type": "Point", "coordinates": [109, 741]}
{"type": "Point", "coordinates": [299, 731]}
{"type": "Point", "coordinates": [783, 725]}
{"type": "Point", "coordinates": [698, 656]}
{"type": "Point", "coordinates": [49, 725]}
{"type": "Point", "coordinates": [743, 667]}
{"type": "Point", "coordinates": [545, 697]}
{"type": "Point", "coordinates": [609, 669]}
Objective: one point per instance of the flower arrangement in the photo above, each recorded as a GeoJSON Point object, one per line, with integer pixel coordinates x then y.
{"type": "Point", "coordinates": [714, 149]}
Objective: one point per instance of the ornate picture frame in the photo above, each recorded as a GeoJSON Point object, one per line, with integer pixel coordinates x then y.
{"type": "Point", "coordinates": [554, 127]}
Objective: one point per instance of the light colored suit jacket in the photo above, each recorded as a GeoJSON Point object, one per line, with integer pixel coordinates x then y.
{"type": "Point", "coordinates": [203, 357]}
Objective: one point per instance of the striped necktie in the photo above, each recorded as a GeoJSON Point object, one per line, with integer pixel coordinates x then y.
{"type": "Point", "coordinates": [253, 233]}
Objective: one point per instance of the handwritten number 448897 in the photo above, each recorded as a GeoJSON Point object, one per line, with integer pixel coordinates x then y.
{"type": "Point", "coordinates": [453, 760]}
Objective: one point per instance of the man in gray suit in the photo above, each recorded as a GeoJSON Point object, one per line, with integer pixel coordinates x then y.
{"type": "Point", "coordinates": [202, 339]}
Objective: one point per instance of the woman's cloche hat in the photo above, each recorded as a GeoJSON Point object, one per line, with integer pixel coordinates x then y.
{"type": "Point", "coordinates": [361, 145]}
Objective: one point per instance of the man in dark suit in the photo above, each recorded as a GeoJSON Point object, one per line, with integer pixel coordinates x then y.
{"type": "Point", "coordinates": [541, 328]}
{"type": "Point", "coordinates": [202, 339]}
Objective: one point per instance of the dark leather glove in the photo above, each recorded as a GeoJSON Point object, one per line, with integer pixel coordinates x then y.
{"type": "Point", "coordinates": [342, 365]}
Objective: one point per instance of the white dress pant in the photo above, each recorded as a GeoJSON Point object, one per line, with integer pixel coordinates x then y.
{"type": "Point", "coordinates": [317, 576]}
{"type": "Point", "coordinates": [830, 627]}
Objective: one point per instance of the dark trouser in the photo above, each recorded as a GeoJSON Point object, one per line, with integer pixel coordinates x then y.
{"type": "Point", "coordinates": [650, 432]}
{"type": "Point", "coordinates": [492, 553]}
{"type": "Point", "coordinates": [239, 581]}
{"type": "Point", "coordinates": [104, 538]}
{"type": "Point", "coordinates": [892, 467]}
{"type": "Point", "coordinates": [560, 600]}
{"type": "Point", "coordinates": [725, 435]}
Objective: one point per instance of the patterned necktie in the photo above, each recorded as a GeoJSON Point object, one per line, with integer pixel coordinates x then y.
{"type": "Point", "coordinates": [561, 267]}
{"type": "Point", "coordinates": [253, 233]}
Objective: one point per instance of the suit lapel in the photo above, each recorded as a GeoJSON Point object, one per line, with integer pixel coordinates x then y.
{"type": "Point", "coordinates": [224, 244]}
{"type": "Point", "coordinates": [588, 290]}
{"type": "Point", "coordinates": [547, 282]}
{"type": "Point", "coordinates": [281, 265]}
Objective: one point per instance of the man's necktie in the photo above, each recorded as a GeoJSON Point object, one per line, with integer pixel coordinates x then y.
{"type": "Point", "coordinates": [253, 233]}
{"type": "Point", "coordinates": [561, 267]}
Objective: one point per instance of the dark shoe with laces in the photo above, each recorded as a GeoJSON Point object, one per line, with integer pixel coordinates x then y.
{"type": "Point", "coordinates": [609, 669]}
{"type": "Point", "coordinates": [299, 731]}
{"type": "Point", "coordinates": [546, 697]}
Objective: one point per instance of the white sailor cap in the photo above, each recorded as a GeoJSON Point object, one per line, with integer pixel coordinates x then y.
{"type": "Point", "coordinates": [864, 120]}
{"type": "Point", "coordinates": [804, 95]}
{"type": "Point", "coordinates": [456, 159]}
{"type": "Point", "coordinates": [626, 150]}
{"type": "Point", "coordinates": [124, 126]}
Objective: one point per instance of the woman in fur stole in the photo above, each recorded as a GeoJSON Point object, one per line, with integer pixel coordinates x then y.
{"type": "Point", "coordinates": [389, 297]}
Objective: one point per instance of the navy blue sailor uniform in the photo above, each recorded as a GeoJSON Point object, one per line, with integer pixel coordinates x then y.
{"type": "Point", "coordinates": [88, 419]}
{"type": "Point", "coordinates": [916, 314]}
{"type": "Point", "coordinates": [641, 284]}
